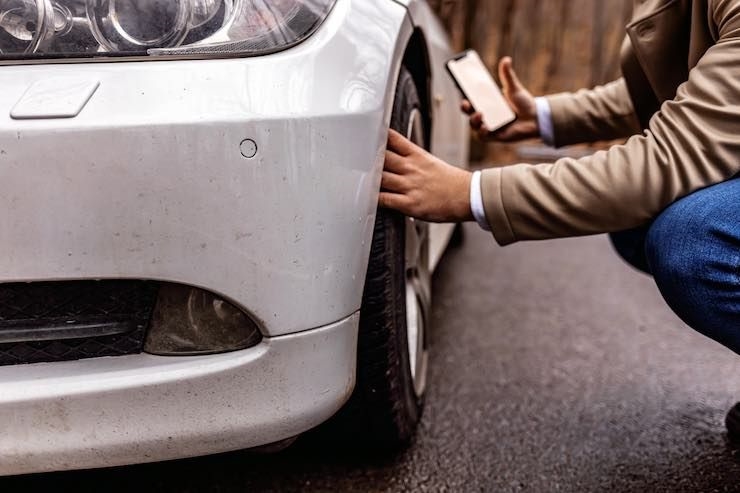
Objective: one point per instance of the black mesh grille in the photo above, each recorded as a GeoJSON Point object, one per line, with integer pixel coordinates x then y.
{"type": "Point", "coordinates": [49, 305]}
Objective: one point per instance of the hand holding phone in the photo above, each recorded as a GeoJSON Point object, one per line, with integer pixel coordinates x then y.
{"type": "Point", "coordinates": [519, 99]}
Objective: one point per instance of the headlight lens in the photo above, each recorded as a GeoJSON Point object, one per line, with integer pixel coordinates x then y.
{"type": "Point", "coordinates": [23, 25]}
{"type": "Point", "coordinates": [104, 28]}
{"type": "Point", "coordinates": [135, 25]}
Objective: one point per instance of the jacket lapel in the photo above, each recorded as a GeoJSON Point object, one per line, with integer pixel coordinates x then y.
{"type": "Point", "coordinates": [660, 40]}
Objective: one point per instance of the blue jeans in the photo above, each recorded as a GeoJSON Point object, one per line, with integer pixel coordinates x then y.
{"type": "Point", "coordinates": [692, 249]}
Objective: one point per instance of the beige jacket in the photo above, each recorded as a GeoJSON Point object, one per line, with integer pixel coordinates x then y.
{"type": "Point", "coordinates": [681, 84]}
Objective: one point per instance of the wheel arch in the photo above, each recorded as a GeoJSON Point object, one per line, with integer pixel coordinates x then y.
{"type": "Point", "coordinates": [417, 61]}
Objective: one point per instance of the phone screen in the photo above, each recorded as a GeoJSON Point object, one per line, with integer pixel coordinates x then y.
{"type": "Point", "coordinates": [478, 86]}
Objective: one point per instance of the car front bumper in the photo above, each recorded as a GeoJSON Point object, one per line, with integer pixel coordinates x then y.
{"type": "Point", "coordinates": [131, 409]}
{"type": "Point", "coordinates": [150, 179]}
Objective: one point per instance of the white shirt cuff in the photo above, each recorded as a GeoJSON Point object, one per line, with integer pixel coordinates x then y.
{"type": "Point", "coordinates": [544, 121]}
{"type": "Point", "coordinates": [476, 202]}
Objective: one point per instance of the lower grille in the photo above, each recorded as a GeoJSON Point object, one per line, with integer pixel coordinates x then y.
{"type": "Point", "coordinates": [62, 321]}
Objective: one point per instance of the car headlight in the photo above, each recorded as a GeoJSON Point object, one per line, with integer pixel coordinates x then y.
{"type": "Point", "coordinates": [104, 28]}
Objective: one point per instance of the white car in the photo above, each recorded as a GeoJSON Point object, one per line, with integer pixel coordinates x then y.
{"type": "Point", "coordinates": [191, 256]}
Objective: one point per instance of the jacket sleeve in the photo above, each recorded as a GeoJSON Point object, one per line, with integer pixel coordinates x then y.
{"type": "Point", "coordinates": [602, 113]}
{"type": "Point", "coordinates": [691, 143]}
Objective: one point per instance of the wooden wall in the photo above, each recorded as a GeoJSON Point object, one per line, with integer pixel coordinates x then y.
{"type": "Point", "coordinates": [556, 44]}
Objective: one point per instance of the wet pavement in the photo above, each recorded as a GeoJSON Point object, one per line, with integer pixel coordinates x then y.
{"type": "Point", "coordinates": [554, 368]}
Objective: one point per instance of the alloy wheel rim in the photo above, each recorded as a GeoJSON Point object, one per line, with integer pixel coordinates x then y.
{"type": "Point", "coordinates": [418, 279]}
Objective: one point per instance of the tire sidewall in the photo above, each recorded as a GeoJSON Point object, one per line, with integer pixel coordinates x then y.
{"type": "Point", "coordinates": [405, 102]}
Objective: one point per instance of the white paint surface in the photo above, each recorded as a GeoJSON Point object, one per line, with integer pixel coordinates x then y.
{"type": "Point", "coordinates": [129, 409]}
{"type": "Point", "coordinates": [149, 181]}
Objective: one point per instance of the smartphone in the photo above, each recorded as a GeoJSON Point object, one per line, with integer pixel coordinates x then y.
{"type": "Point", "coordinates": [477, 86]}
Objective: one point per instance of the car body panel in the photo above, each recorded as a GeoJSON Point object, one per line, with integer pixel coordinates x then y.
{"type": "Point", "coordinates": [450, 137]}
{"type": "Point", "coordinates": [148, 181]}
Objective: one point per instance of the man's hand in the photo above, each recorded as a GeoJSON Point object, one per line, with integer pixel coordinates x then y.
{"type": "Point", "coordinates": [521, 102]}
{"type": "Point", "coordinates": [422, 186]}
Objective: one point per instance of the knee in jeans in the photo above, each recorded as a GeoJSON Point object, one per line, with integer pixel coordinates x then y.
{"type": "Point", "coordinates": [678, 253]}
{"type": "Point", "coordinates": [692, 251]}
{"type": "Point", "coordinates": [666, 245]}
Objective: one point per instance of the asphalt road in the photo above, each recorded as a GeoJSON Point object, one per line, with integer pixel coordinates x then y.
{"type": "Point", "coordinates": [554, 368]}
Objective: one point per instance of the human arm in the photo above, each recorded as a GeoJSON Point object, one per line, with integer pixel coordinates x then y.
{"type": "Point", "coordinates": [602, 113]}
{"type": "Point", "coordinates": [691, 143]}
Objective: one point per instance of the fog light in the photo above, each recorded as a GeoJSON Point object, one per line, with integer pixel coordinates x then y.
{"type": "Point", "coordinates": [190, 321]}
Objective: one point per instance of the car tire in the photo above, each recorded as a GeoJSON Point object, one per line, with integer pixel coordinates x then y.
{"type": "Point", "coordinates": [386, 405]}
